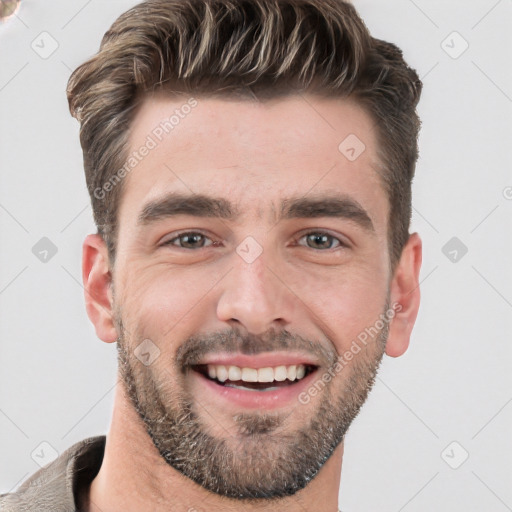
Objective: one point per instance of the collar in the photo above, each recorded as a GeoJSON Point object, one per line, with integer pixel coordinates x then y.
{"type": "Point", "coordinates": [57, 485]}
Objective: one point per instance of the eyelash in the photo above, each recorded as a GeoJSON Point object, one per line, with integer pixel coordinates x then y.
{"type": "Point", "coordinates": [213, 244]}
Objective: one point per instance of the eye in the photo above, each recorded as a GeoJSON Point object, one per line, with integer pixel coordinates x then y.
{"type": "Point", "coordinates": [196, 240]}
{"type": "Point", "coordinates": [190, 240]}
{"type": "Point", "coordinates": [321, 240]}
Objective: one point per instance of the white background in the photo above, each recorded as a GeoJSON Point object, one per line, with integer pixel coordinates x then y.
{"type": "Point", "coordinates": [454, 382]}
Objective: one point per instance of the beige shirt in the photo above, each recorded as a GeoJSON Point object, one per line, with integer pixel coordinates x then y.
{"type": "Point", "coordinates": [57, 486]}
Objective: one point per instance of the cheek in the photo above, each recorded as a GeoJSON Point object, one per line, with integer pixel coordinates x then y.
{"type": "Point", "coordinates": [345, 303]}
{"type": "Point", "coordinates": [159, 302]}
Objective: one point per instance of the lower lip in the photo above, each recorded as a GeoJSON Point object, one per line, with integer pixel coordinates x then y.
{"type": "Point", "coordinates": [256, 399]}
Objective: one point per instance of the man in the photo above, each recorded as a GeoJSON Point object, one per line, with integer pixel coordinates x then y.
{"type": "Point", "coordinates": [250, 167]}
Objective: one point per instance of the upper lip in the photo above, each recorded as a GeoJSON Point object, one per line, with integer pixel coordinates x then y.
{"type": "Point", "coordinates": [260, 361]}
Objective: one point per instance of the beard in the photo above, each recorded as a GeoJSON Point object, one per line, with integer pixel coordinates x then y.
{"type": "Point", "coordinates": [266, 458]}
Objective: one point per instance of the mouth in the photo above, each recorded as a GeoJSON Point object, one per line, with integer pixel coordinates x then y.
{"type": "Point", "coordinates": [255, 379]}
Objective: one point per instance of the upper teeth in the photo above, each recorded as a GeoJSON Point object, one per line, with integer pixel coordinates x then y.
{"type": "Point", "coordinates": [278, 373]}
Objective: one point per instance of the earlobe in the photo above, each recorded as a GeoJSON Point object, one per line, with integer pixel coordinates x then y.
{"type": "Point", "coordinates": [96, 278]}
{"type": "Point", "coordinates": [405, 297]}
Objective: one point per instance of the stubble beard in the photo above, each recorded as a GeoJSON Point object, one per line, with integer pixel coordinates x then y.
{"type": "Point", "coordinates": [260, 458]}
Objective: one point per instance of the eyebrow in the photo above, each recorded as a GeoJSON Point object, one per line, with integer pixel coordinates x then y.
{"type": "Point", "coordinates": [201, 205]}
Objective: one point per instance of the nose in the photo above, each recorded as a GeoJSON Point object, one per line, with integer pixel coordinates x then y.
{"type": "Point", "coordinates": [254, 298]}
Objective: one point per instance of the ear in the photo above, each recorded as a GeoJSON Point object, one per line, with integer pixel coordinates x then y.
{"type": "Point", "coordinates": [97, 281]}
{"type": "Point", "coordinates": [405, 294]}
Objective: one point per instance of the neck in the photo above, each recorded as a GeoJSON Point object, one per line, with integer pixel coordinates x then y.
{"type": "Point", "coordinates": [133, 477]}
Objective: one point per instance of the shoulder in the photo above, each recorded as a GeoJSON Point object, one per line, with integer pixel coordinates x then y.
{"type": "Point", "coordinates": [52, 488]}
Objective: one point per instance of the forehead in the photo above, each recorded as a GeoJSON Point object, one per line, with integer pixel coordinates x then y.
{"type": "Point", "coordinates": [257, 153]}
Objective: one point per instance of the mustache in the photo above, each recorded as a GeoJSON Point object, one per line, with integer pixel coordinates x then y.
{"type": "Point", "coordinates": [233, 341]}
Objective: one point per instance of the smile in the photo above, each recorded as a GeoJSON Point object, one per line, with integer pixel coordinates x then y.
{"type": "Point", "coordinates": [229, 387]}
{"type": "Point", "coordinates": [255, 379]}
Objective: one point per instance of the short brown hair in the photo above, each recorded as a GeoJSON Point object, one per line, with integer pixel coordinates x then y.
{"type": "Point", "coordinates": [270, 47]}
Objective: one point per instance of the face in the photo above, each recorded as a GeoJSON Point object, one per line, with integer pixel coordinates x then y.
{"type": "Point", "coordinates": [247, 241]}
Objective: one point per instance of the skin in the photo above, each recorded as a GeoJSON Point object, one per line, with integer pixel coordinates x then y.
{"type": "Point", "coordinates": [323, 295]}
